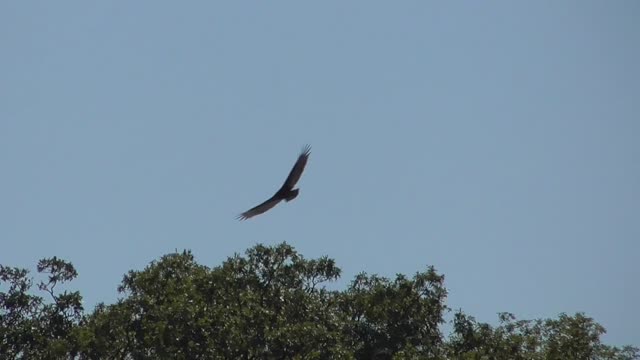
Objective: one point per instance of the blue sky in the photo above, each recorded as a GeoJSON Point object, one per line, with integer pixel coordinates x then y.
{"type": "Point", "coordinates": [497, 141]}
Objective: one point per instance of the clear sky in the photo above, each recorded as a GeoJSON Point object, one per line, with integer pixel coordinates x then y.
{"type": "Point", "coordinates": [497, 141]}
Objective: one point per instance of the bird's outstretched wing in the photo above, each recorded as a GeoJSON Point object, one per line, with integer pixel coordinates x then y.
{"type": "Point", "coordinates": [298, 168]}
{"type": "Point", "coordinates": [273, 201]}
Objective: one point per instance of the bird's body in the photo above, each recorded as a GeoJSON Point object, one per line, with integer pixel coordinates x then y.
{"type": "Point", "coordinates": [286, 191]}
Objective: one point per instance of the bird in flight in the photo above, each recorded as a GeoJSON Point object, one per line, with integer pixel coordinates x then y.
{"type": "Point", "coordinates": [286, 192]}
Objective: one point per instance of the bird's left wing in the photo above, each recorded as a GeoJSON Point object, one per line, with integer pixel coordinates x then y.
{"type": "Point", "coordinates": [273, 201]}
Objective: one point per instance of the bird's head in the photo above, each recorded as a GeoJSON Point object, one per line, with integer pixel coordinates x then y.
{"type": "Point", "coordinates": [292, 195]}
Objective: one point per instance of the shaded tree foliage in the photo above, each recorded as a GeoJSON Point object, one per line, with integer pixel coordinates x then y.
{"type": "Point", "coordinates": [32, 327]}
{"type": "Point", "coordinates": [270, 303]}
{"type": "Point", "coordinates": [567, 337]}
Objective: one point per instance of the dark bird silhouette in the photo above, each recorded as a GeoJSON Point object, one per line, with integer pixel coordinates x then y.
{"type": "Point", "coordinates": [286, 192]}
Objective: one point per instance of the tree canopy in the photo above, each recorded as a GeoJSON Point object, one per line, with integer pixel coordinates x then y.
{"type": "Point", "coordinates": [270, 303]}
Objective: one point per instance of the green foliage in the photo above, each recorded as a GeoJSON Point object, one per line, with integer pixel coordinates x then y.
{"type": "Point", "coordinates": [32, 328]}
{"type": "Point", "coordinates": [270, 303]}
{"type": "Point", "coordinates": [266, 305]}
{"type": "Point", "coordinates": [568, 337]}
{"type": "Point", "coordinates": [386, 317]}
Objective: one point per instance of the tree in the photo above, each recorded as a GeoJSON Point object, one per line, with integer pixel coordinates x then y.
{"type": "Point", "coordinates": [271, 303]}
{"type": "Point", "coordinates": [568, 337]}
{"type": "Point", "coordinates": [403, 316]}
{"type": "Point", "coordinates": [31, 327]}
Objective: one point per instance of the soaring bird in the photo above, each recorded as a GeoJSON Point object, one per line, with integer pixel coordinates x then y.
{"type": "Point", "coordinates": [286, 192]}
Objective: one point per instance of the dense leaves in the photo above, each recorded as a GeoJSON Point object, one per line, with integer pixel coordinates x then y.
{"type": "Point", "coordinates": [568, 337]}
{"type": "Point", "coordinates": [271, 303]}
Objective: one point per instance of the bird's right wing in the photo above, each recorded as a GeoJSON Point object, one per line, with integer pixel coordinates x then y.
{"type": "Point", "coordinates": [298, 168]}
{"type": "Point", "coordinates": [273, 201]}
